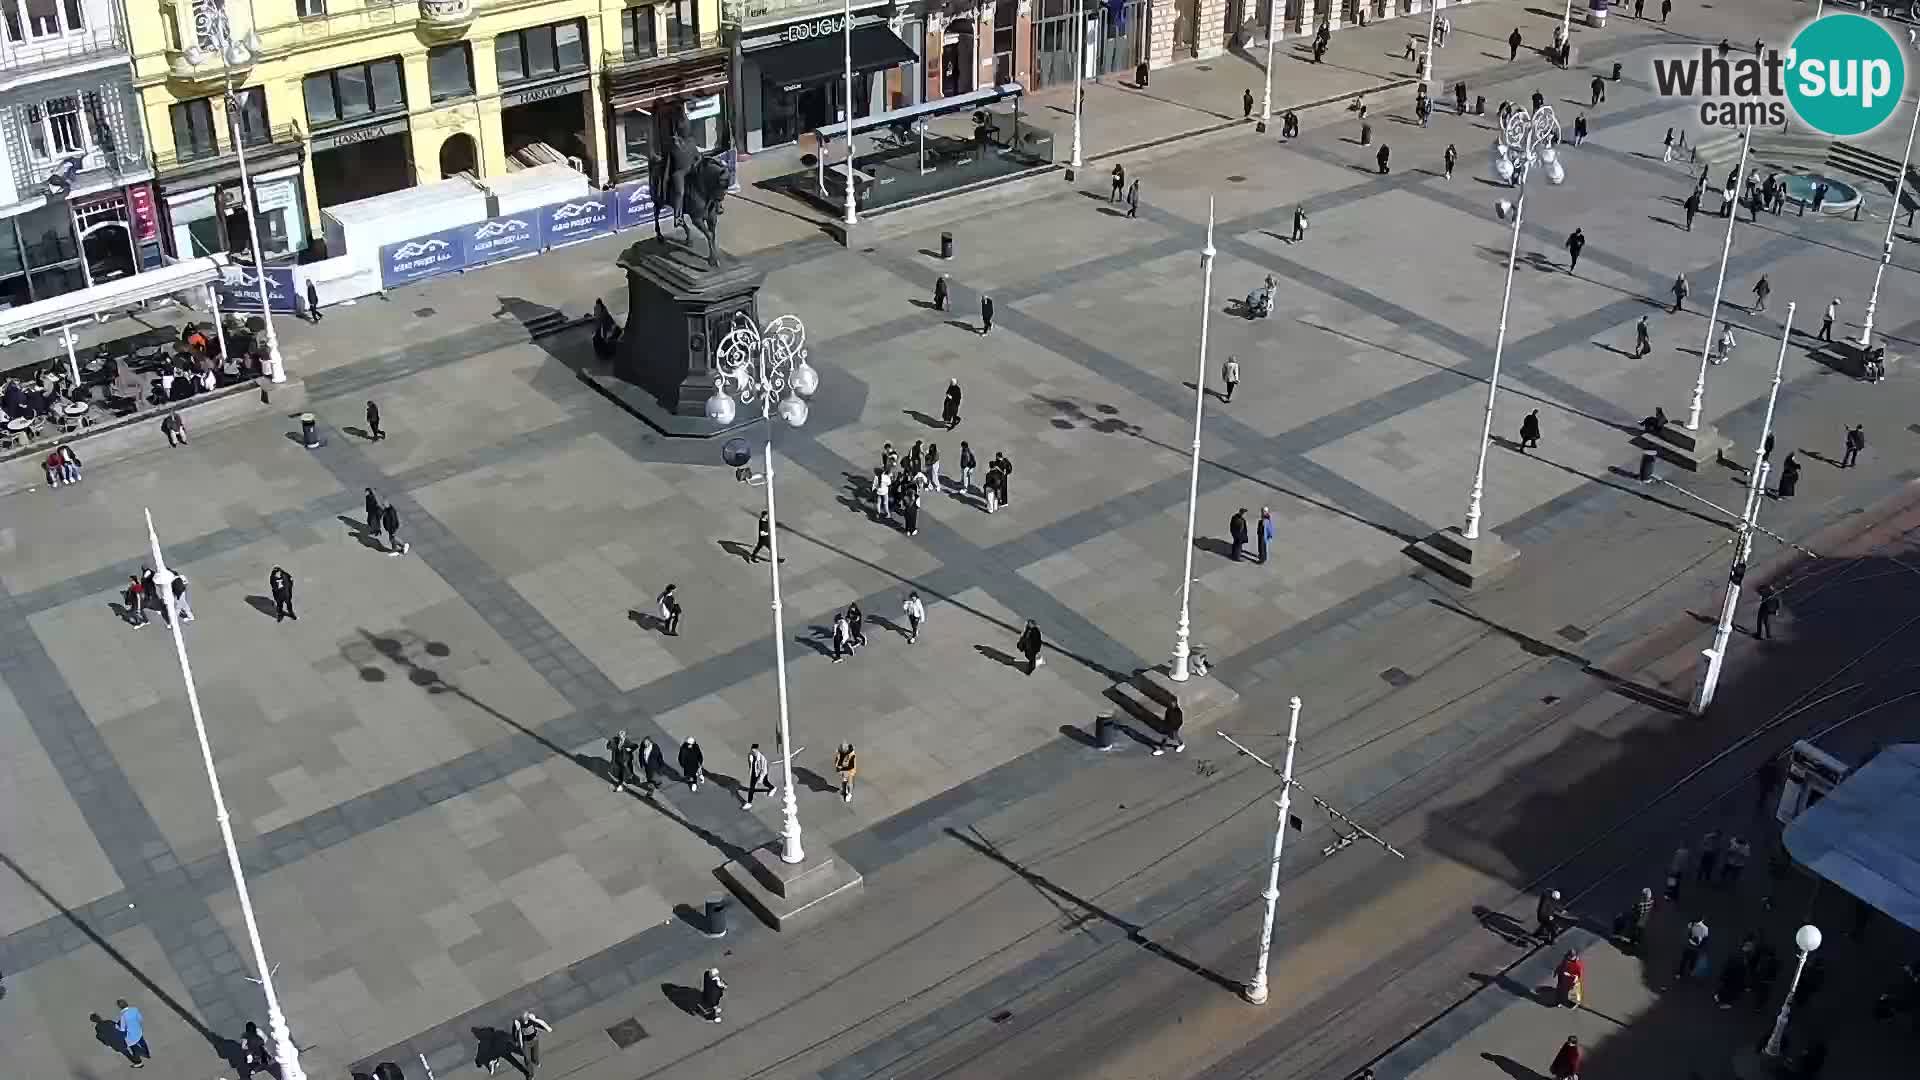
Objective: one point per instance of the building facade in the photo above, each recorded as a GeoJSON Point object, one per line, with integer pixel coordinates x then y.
{"type": "Point", "coordinates": [76, 205]}
{"type": "Point", "coordinates": [337, 100]}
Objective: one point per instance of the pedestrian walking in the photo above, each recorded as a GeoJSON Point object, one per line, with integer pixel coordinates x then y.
{"type": "Point", "coordinates": [967, 464]}
{"type": "Point", "coordinates": [1381, 158]}
{"type": "Point", "coordinates": [856, 625]}
{"type": "Point", "coordinates": [527, 1029]}
{"type": "Point", "coordinates": [986, 314]}
{"type": "Point", "coordinates": [1460, 98]}
{"type": "Point", "coordinates": [1246, 104]}
{"type": "Point", "coordinates": [1171, 722]}
{"type": "Point", "coordinates": [1789, 477]}
{"type": "Point", "coordinates": [652, 762]}
{"type": "Point", "coordinates": [1539, 100]}
{"type": "Point", "coordinates": [882, 483]}
{"type": "Point", "coordinates": [916, 613]}
{"type": "Point", "coordinates": [1263, 532]}
{"type": "Point", "coordinates": [950, 406]}
{"type": "Point", "coordinates": [280, 586]}
{"type": "Point", "coordinates": [758, 778]}
{"type": "Point", "coordinates": [1763, 969]}
{"type": "Point", "coordinates": [619, 760]}
{"type": "Point", "coordinates": [1566, 1063]}
{"type": "Point", "coordinates": [847, 764]}
{"type": "Point", "coordinates": [1761, 290]}
{"type": "Point", "coordinates": [133, 1034]}
{"type": "Point", "coordinates": [1598, 87]}
{"type": "Point", "coordinates": [1639, 9]}
{"type": "Point", "coordinates": [1030, 645]}
{"type": "Point", "coordinates": [1691, 207]}
{"type": "Point", "coordinates": [1568, 980]}
{"type": "Point", "coordinates": [933, 466]}
{"type": "Point", "coordinates": [1734, 863]}
{"type": "Point", "coordinates": [1230, 374]}
{"type": "Point", "coordinates": [1449, 158]}
{"type": "Point", "coordinates": [1691, 952]}
{"type": "Point", "coordinates": [1709, 858]}
{"type": "Point", "coordinates": [992, 486]}
{"type": "Point", "coordinates": [1237, 528]}
{"type": "Point", "coordinates": [1666, 8]}
{"type": "Point", "coordinates": [910, 509]}
{"type": "Point", "coordinates": [693, 764]}
{"type": "Point", "coordinates": [668, 605]}
{"type": "Point", "coordinates": [374, 431]}
{"type": "Point", "coordinates": [182, 599]}
{"type": "Point", "coordinates": [1726, 202]}
{"type": "Point", "coordinates": [254, 1054]}
{"type": "Point", "coordinates": [390, 520]}
{"type": "Point", "coordinates": [1546, 915]}
{"type": "Point", "coordinates": [1580, 129]}
{"type": "Point", "coordinates": [1299, 223]}
{"type": "Point", "coordinates": [1733, 976]}
{"type": "Point", "coordinates": [764, 541]}
{"type": "Point", "coordinates": [1641, 916]}
{"type": "Point", "coordinates": [1826, 321]}
{"type": "Point", "coordinates": [175, 429]}
{"type": "Point", "coordinates": [842, 637]}
{"type": "Point", "coordinates": [1769, 607]}
{"type": "Point", "coordinates": [711, 991]}
{"type": "Point", "coordinates": [942, 288]}
{"type": "Point", "coordinates": [1576, 243]}
{"type": "Point", "coordinates": [1819, 196]}
{"type": "Point", "coordinates": [1290, 123]}
{"type": "Point", "coordinates": [373, 513]}
{"type": "Point", "coordinates": [1676, 870]}
{"type": "Point", "coordinates": [1410, 52]}
{"type": "Point", "coordinates": [1133, 199]}
{"type": "Point", "coordinates": [1856, 442]}
{"type": "Point", "coordinates": [1005, 464]}
{"type": "Point", "coordinates": [1723, 346]}
{"type": "Point", "coordinates": [1530, 431]}
{"type": "Point", "coordinates": [313, 303]}
{"type": "Point", "coordinates": [1513, 45]}
{"type": "Point", "coordinates": [1666, 148]}
{"type": "Point", "coordinates": [1679, 291]}
{"type": "Point", "coordinates": [1119, 183]}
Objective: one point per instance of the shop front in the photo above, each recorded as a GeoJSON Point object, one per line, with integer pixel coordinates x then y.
{"type": "Point", "coordinates": [208, 218]}
{"type": "Point", "coordinates": [361, 143]}
{"type": "Point", "coordinates": [546, 96]}
{"type": "Point", "coordinates": [65, 245]}
{"type": "Point", "coordinates": [1117, 33]}
{"type": "Point", "coordinates": [793, 70]}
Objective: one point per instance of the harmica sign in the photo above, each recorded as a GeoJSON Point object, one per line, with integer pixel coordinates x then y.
{"type": "Point", "coordinates": [1842, 76]}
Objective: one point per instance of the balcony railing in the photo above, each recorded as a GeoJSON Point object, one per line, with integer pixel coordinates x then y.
{"type": "Point", "coordinates": [23, 57]}
{"type": "Point", "coordinates": [172, 158]}
{"type": "Point", "coordinates": [670, 47]}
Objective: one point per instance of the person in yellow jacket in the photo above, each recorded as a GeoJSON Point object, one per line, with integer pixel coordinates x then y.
{"type": "Point", "coordinates": [847, 764]}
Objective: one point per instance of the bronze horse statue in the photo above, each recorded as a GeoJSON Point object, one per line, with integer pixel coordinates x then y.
{"type": "Point", "coordinates": [693, 186]}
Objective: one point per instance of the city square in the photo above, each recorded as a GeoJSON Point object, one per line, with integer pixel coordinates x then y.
{"type": "Point", "coordinates": [416, 769]}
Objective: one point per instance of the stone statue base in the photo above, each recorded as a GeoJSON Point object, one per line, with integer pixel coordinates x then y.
{"type": "Point", "coordinates": [678, 309]}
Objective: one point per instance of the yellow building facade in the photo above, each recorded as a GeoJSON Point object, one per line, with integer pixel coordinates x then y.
{"type": "Point", "coordinates": [336, 100]}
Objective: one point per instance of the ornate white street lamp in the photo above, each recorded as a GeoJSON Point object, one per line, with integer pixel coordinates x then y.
{"type": "Point", "coordinates": [1805, 941]}
{"type": "Point", "coordinates": [1182, 648]}
{"type": "Point", "coordinates": [284, 1049]}
{"type": "Point", "coordinates": [764, 364]}
{"type": "Point", "coordinates": [1528, 139]}
{"type": "Point", "coordinates": [239, 53]}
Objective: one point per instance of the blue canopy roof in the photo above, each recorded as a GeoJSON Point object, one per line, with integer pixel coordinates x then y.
{"type": "Point", "coordinates": [1865, 835]}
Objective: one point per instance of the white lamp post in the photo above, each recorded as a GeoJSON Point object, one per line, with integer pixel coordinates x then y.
{"type": "Point", "coordinates": [1886, 246]}
{"type": "Point", "coordinates": [1079, 68]}
{"type": "Point", "coordinates": [1566, 26]}
{"type": "Point", "coordinates": [1433, 23]}
{"type": "Point", "coordinates": [1805, 940]}
{"type": "Point", "coordinates": [853, 218]}
{"type": "Point", "coordinates": [1256, 992]}
{"type": "Point", "coordinates": [765, 363]}
{"type": "Point", "coordinates": [1526, 140]}
{"type": "Point", "coordinates": [1181, 647]}
{"type": "Point", "coordinates": [284, 1049]}
{"type": "Point", "coordinates": [1743, 547]}
{"type": "Point", "coordinates": [1719, 283]}
{"type": "Point", "coordinates": [1274, 8]}
{"type": "Point", "coordinates": [239, 53]}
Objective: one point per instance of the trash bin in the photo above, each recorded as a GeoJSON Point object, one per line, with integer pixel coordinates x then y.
{"type": "Point", "coordinates": [716, 916]}
{"type": "Point", "coordinates": [1479, 104]}
{"type": "Point", "coordinates": [308, 437]}
{"type": "Point", "coordinates": [1140, 75]}
{"type": "Point", "coordinates": [1103, 731]}
{"type": "Point", "coordinates": [387, 1070]}
{"type": "Point", "coordinates": [946, 245]}
{"type": "Point", "coordinates": [1647, 458]}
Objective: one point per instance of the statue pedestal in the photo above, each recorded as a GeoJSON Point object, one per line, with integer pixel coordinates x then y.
{"type": "Point", "coordinates": [678, 309]}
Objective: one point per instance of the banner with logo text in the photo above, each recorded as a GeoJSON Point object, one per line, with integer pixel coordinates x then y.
{"type": "Point", "coordinates": [510, 236]}
{"type": "Point", "coordinates": [239, 290]}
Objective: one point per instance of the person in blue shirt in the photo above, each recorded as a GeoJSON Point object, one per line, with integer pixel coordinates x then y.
{"type": "Point", "coordinates": [133, 1034]}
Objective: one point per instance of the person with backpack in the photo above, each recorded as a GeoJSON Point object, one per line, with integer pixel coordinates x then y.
{"type": "Point", "coordinates": [847, 764]}
{"type": "Point", "coordinates": [711, 991]}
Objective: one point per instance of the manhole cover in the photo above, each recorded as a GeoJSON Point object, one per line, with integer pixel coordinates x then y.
{"type": "Point", "coordinates": [1572, 633]}
{"type": "Point", "coordinates": [426, 312]}
{"type": "Point", "coordinates": [626, 1033]}
{"type": "Point", "coordinates": [1236, 179]}
{"type": "Point", "coordinates": [1395, 677]}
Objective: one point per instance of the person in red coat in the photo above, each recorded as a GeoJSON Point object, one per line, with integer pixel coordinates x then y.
{"type": "Point", "coordinates": [1567, 978]}
{"type": "Point", "coordinates": [1566, 1064]}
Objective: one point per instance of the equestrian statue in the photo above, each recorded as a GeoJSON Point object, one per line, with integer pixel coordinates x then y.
{"type": "Point", "coordinates": [693, 186]}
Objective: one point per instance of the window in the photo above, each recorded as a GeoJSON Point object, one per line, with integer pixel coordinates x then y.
{"type": "Point", "coordinates": [248, 108]}
{"type": "Point", "coordinates": [352, 92]}
{"type": "Point", "coordinates": [43, 18]}
{"type": "Point", "coordinates": [63, 122]}
{"type": "Point", "coordinates": [450, 71]}
{"type": "Point", "coordinates": [539, 51]}
{"type": "Point", "coordinates": [310, 9]}
{"type": "Point", "coordinates": [683, 25]}
{"type": "Point", "coordinates": [636, 138]}
{"type": "Point", "coordinates": [193, 132]}
{"type": "Point", "coordinates": [35, 128]}
{"type": "Point", "coordinates": [636, 34]}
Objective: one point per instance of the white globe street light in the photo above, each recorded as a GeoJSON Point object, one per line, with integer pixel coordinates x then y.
{"type": "Point", "coordinates": [1806, 940]}
{"type": "Point", "coordinates": [1526, 140]}
{"type": "Point", "coordinates": [764, 364]}
{"type": "Point", "coordinates": [240, 53]}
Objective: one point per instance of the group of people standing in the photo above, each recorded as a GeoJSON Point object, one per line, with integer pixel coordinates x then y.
{"type": "Point", "coordinates": [901, 484]}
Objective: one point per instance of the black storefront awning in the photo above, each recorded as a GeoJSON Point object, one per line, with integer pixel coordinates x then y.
{"type": "Point", "coordinates": [874, 47]}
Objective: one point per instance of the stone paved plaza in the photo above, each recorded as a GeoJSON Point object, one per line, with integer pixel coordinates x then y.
{"type": "Point", "coordinates": [414, 766]}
